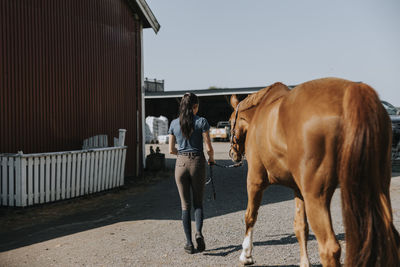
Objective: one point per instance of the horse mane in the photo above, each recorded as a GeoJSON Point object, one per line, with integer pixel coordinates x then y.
{"type": "Point", "coordinates": [270, 93]}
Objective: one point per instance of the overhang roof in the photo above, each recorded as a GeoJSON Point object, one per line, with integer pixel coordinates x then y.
{"type": "Point", "coordinates": [205, 92]}
{"type": "Point", "coordinates": [143, 10]}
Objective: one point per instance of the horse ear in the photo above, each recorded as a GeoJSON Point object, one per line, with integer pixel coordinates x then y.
{"type": "Point", "coordinates": [234, 101]}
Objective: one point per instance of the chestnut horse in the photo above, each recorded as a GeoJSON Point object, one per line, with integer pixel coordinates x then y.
{"type": "Point", "coordinates": [321, 134]}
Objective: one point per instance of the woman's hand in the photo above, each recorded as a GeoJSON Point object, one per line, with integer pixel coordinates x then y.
{"type": "Point", "coordinates": [174, 151]}
{"type": "Point", "coordinates": [211, 161]}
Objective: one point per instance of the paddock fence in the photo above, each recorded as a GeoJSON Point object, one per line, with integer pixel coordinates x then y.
{"type": "Point", "coordinates": [29, 179]}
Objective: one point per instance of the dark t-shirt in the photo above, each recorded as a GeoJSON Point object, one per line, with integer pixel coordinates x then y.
{"type": "Point", "coordinates": [195, 142]}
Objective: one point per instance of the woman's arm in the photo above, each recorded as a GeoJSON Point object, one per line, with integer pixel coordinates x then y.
{"type": "Point", "coordinates": [172, 142]}
{"type": "Point", "coordinates": [209, 148]}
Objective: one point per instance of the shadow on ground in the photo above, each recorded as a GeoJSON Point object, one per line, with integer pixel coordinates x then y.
{"type": "Point", "coordinates": [277, 240]}
{"type": "Point", "coordinates": [154, 198]}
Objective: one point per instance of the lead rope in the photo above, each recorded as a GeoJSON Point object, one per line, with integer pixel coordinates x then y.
{"type": "Point", "coordinates": [230, 166]}
{"type": "Point", "coordinates": [210, 179]}
{"type": "Point", "coordinates": [212, 182]}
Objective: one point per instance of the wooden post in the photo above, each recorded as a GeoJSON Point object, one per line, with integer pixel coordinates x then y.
{"type": "Point", "coordinates": [23, 194]}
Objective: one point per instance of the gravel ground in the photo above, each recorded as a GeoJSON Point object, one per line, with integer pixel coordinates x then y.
{"type": "Point", "coordinates": [139, 225]}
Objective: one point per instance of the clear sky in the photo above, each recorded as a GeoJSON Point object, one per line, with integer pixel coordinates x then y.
{"type": "Point", "coordinates": [237, 43]}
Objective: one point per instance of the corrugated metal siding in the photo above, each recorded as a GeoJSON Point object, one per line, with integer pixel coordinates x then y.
{"type": "Point", "coordinates": [69, 70]}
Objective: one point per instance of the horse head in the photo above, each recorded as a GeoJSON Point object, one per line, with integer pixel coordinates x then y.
{"type": "Point", "coordinates": [238, 131]}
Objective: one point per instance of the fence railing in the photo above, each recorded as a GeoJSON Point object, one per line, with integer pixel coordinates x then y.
{"type": "Point", "coordinates": [28, 179]}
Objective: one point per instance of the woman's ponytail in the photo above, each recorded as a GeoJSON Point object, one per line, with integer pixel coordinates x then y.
{"type": "Point", "coordinates": [186, 114]}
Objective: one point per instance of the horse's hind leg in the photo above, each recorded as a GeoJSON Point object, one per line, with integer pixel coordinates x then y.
{"type": "Point", "coordinates": [301, 229]}
{"type": "Point", "coordinates": [319, 216]}
{"type": "Point", "coordinates": [256, 184]}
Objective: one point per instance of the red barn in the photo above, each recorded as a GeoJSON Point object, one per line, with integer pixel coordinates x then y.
{"type": "Point", "coordinates": [70, 70]}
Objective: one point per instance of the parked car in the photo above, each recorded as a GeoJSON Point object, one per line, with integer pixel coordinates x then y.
{"type": "Point", "coordinates": [222, 132]}
{"type": "Point", "coordinates": [394, 115]}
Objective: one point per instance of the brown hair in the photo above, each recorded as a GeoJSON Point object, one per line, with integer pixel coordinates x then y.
{"type": "Point", "coordinates": [186, 114]}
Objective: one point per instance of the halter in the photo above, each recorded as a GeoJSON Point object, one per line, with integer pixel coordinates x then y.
{"type": "Point", "coordinates": [234, 139]}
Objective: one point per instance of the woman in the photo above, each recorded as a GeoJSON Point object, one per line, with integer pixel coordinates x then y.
{"type": "Point", "coordinates": [189, 131]}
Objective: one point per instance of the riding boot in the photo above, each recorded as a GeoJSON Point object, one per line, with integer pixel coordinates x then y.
{"type": "Point", "coordinates": [198, 215]}
{"type": "Point", "coordinates": [187, 227]}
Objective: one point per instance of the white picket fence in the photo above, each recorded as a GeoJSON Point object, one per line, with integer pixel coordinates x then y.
{"type": "Point", "coordinates": [96, 142]}
{"type": "Point", "coordinates": [28, 179]}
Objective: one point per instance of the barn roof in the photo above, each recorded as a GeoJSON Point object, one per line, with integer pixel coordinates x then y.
{"type": "Point", "coordinates": [141, 8]}
{"type": "Point", "coordinates": [205, 92]}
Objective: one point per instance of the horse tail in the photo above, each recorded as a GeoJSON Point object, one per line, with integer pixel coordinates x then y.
{"type": "Point", "coordinates": [364, 170]}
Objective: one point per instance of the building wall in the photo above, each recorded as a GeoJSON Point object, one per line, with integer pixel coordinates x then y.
{"type": "Point", "coordinates": [69, 70]}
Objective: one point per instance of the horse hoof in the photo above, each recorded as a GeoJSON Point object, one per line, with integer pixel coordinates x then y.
{"type": "Point", "coordinates": [246, 260]}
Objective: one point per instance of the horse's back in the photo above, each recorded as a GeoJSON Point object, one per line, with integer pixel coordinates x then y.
{"type": "Point", "coordinates": [325, 99]}
{"type": "Point", "coordinates": [319, 102]}
{"type": "Point", "coordinates": [317, 97]}
{"type": "Point", "coordinates": [312, 116]}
